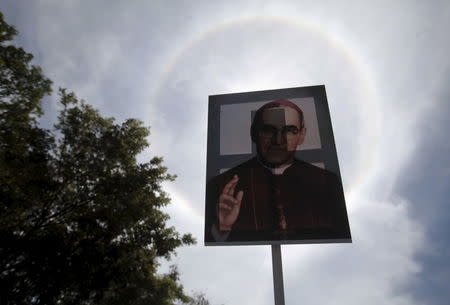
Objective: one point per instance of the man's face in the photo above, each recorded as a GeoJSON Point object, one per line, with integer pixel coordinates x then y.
{"type": "Point", "coordinates": [278, 135]}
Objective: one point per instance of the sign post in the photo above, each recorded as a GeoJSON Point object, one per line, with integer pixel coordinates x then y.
{"type": "Point", "coordinates": [277, 267]}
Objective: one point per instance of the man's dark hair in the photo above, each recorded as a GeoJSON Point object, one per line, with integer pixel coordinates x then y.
{"type": "Point", "coordinates": [277, 103]}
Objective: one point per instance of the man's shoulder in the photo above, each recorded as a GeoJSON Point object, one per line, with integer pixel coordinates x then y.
{"type": "Point", "coordinates": [300, 164]}
{"type": "Point", "coordinates": [241, 169]}
{"type": "Point", "coordinates": [305, 169]}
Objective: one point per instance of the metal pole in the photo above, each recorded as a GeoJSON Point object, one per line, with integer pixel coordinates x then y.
{"type": "Point", "coordinates": [277, 275]}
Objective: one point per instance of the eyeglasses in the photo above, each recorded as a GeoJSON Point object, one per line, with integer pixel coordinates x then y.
{"type": "Point", "coordinates": [269, 131]}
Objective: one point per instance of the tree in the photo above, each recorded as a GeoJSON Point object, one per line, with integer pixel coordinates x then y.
{"type": "Point", "coordinates": [198, 299]}
{"type": "Point", "coordinates": [80, 218]}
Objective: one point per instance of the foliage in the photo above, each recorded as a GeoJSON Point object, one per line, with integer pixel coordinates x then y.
{"type": "Point", "coordinates": [80, 218]}
{"type": "Point", "coordinates": [198, 299]}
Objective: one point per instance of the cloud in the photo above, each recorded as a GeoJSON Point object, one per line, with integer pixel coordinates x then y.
{"type": "Point", "coordinates": [373, 269]}
{"type": "Point", "coordinates": [380, 263]}
{"type": "Point", "coordinates": [384, 67]}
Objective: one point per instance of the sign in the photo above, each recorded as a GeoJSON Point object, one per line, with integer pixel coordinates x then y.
{"type": "Point", "coordinates": [272, 173]}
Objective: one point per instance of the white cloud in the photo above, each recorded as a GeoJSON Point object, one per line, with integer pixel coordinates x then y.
{"type": "Point", "coordinates": [381, 64]}
{"type": "Point", "coordinates": [380, 264]}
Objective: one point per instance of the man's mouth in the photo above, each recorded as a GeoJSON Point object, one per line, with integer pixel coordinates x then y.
{"type": "Point", "coordinates": [277, 149]}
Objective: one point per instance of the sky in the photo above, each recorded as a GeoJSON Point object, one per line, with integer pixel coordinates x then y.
{"type": "Point", "coordinates": [386, 70]}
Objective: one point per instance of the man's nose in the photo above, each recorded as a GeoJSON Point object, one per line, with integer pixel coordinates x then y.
{"type": "Point", "coordinates": [278, 137]}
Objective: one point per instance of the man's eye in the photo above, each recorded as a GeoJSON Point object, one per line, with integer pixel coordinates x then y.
{"type": "Point", "coordinates": [268, 129]}
{"type": "Point", "coordinates": [291, 129]}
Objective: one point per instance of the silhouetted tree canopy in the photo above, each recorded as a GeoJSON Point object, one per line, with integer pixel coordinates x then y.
{"type": "Point", "coordinates": [80, 218]}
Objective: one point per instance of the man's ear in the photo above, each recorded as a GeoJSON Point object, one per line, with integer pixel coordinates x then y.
{"type": "Point", "coordinates": [301, 137]}
{"type": "Point", "coordinates": [253, 133]}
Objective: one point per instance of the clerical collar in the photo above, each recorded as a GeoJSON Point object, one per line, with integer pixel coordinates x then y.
{"type": "Point", "coordinates": [275, 170]}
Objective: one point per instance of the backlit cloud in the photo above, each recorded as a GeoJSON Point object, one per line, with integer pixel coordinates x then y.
{"type": "Point", "coordinates": [385, 69]}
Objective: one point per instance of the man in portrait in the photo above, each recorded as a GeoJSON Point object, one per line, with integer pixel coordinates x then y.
{"type": "Point", "coordinates": [275, 196]}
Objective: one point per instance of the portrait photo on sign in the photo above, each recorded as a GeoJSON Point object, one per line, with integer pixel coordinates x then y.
{"type": "Point", "coordinates": [272, 174]}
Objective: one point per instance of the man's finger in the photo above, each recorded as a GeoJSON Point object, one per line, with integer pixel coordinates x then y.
{"type": "Point", "coordinates": [233, 186]}
{"type": "Point", "coordinates": [230, 184]}
{"type": "Point", "coordinates": [224, 198]}
{"type": "Point", "coordinates": [224, 206]}
{"type": "Point", "coordinates": [239, 196]}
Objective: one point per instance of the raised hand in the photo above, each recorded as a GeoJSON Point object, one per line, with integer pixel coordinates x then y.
{"type": "Point", "coordinates": [229, 205]}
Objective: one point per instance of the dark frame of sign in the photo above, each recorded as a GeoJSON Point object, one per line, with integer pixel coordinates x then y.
{"type": "Point", "coordinates": [219, 158]}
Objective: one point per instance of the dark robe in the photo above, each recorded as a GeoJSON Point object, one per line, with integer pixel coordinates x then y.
{"type": "Point", "coordinates": [305, 203]}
